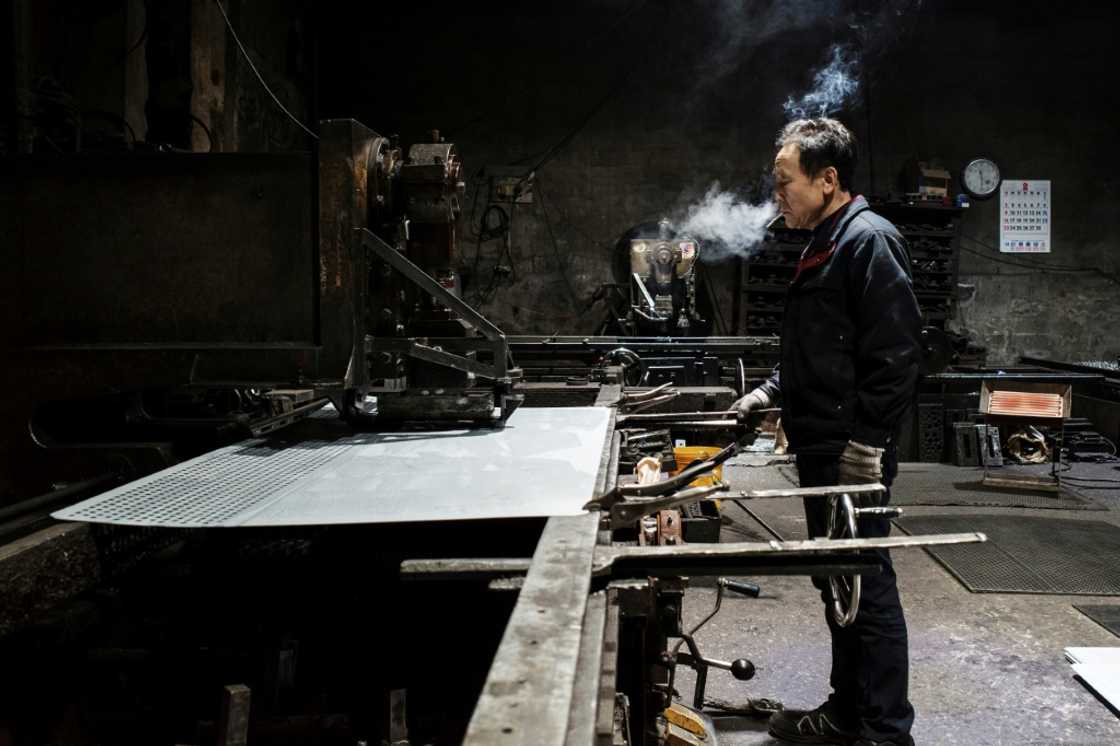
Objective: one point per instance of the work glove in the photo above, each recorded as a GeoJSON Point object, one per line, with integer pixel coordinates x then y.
{"type": "Point", "coordinates": [757, 399]}
{"type": "Point", "coordinates": [861, 464]}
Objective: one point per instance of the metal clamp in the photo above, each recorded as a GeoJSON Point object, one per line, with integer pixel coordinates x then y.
{"type": "Point", "coordinates": [626, 512]}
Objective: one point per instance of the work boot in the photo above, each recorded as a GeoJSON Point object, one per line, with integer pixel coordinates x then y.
{"type": "Point", "coordinates": [811, 726]}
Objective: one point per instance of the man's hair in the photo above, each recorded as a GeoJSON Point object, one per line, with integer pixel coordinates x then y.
{"type": "Point", "coordinates": [822, 143]}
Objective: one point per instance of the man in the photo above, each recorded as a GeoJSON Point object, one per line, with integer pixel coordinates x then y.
{"type": "Point", "coordinates": [849, 364]}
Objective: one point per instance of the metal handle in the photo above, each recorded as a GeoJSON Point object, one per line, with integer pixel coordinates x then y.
{"type": "Point", "coordinates": [742, 587]}
{"type": "Point", "coordinates": [880, 512]}
{"type": "Point", "coordinates": [846, 589]}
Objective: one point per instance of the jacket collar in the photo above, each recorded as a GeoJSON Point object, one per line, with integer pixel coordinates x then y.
{"type": "Point", "coordinates": [848, 212]}
{"type": "Point", "coordinates": [834, 225]}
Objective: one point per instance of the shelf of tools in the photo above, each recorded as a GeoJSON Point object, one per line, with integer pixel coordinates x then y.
{"type": "Point", "coordinates": [932, 232]}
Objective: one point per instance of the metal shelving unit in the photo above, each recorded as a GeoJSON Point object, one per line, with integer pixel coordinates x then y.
{"type": "Point", "coordinates": [932, 232]}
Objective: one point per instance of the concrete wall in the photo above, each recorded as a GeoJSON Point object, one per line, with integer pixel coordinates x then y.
{"type": "Point", "coordinates": [691, 93]}
{"type": "Point", "coordinates": [1026, 88]}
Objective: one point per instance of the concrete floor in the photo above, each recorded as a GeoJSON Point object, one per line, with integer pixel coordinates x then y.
{"type": "Point", "coordinates": [985, 668]}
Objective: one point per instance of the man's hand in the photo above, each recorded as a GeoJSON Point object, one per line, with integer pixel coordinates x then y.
{"type": "Point", "coordinates": [861, 464]}
{"type": "Point", "coordinates": [756, 399]}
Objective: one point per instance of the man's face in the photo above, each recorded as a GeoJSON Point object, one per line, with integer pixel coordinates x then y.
{"type": "Point", "coordinates": [801, 199]}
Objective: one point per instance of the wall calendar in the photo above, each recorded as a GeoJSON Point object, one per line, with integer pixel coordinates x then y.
{"type": "Point", "coordinates": [1024, 208]}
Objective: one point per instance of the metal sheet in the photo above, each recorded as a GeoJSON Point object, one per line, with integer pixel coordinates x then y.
{"type": "Point", "coordinates": [544, 462]}
{"type": "Point", "coordinates": [1103, 679]}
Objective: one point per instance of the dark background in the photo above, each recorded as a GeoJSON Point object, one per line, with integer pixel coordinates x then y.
{"type": "Point", "coordinates": [629, 110]}
{"type": "Point", "coordinates": [664, 98]}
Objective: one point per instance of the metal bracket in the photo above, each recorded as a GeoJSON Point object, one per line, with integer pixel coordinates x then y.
{"type": "Point", "coordinates": [398, 261]}
{"type": "Point", "coordinates": [498, 371]}
{"type": "Point", "coordinates": [654, 314]}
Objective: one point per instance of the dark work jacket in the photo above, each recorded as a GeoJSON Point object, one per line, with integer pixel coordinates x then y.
{"type": "Point", "coordinates": [850, 336]}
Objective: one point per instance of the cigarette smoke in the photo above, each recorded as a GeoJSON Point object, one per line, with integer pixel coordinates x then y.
{"type": "Point", "coordinates": [726, 224]}
{"type": "Point", "coordinates": [833, 86]}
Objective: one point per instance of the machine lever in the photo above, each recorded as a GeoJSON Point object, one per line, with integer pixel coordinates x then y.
{"type": "Point", "coordinates": [742, 587]}
{"type": "Point", "coordinates": [741, 668]}
{"type": "Point", "coordinates": [885, 512]}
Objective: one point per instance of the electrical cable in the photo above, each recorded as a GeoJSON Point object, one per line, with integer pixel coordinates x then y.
{"type": "Point", "coordinates": [209, 134]}
{"type": "Point", "coordinates": [140, 40]}
{"type": "Point", "coordinates": [1035, 265]}
{"type": "Point", "coordinates": [488, 232]}
{"type": "Point", "coordinates": [474, 202]}
{"type": "Point", "coordinates": [1076, 481]}
{"type": "Point", "coordinates": [256, 72]}
{"type": "Point", "coordinates": [563, 141]}
{"type": "Point", "coordinates": [56, 115]}
{"type": "Point", "coordinates": [110, 116]}
{"type": "Point", "coordinates": [551, 153]}
{"type": "Point", "coordinates": [560, 265]}
{"type": "Point", "coordinates": [507, 245]}
{"type": "Point", "coordinates": [587, 39]}
{"type": "Point", "coordinates": [1024, 262]}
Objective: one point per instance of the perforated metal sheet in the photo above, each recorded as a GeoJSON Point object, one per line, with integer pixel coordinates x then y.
{"type": "Point", "coordinates": [216, 489]}
{"type": "Point", "coordinates": [931, 432]}
{"type": "Point", "coordinates": [543, 462]}
{"type": "Point", "coordinates": [1027, 554]}
{"type": "Point", "coordinates": [945, 484]}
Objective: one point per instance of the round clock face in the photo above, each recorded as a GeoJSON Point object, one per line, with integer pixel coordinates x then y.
{"type": "Point", "coordinates": [980, 178]}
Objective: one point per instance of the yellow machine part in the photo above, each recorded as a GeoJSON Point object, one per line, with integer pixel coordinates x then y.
{"type": "Point", "coordinates": [688, 727]}
{"type": "Point", "coordinates": [686, 455]}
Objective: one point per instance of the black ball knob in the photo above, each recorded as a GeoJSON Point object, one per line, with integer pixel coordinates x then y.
{"type": "Point", "coordinates": [742, 669]}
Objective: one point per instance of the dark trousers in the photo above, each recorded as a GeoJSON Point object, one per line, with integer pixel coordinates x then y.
{"type": "Point", "coordinates": [870, 658]}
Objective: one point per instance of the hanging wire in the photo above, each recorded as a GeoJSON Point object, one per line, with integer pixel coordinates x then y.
{"type": "Point", "coordinates": [256, 72]}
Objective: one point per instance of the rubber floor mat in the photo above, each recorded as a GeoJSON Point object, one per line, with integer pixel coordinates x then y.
{"type": "Point", "coordinates": [1027, 554]}
{"type": "Point", "coordinates": [758, 475]}
{"type": "Point", "coordinates": [946, 484]}
{"type": "Point", "coordinates": [1108, 616]}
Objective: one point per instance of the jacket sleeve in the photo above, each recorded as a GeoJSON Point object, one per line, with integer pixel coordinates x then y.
{"type": "Point", "coordinates": [888, 336]}
{"type": "Point", "coordinates": [772, 386]}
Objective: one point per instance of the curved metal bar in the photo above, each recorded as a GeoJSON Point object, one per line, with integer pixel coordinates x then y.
{"type": "Point", "coordinates": [640, 395]}
{"type": "Point", "coordinates": [846, 590]}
